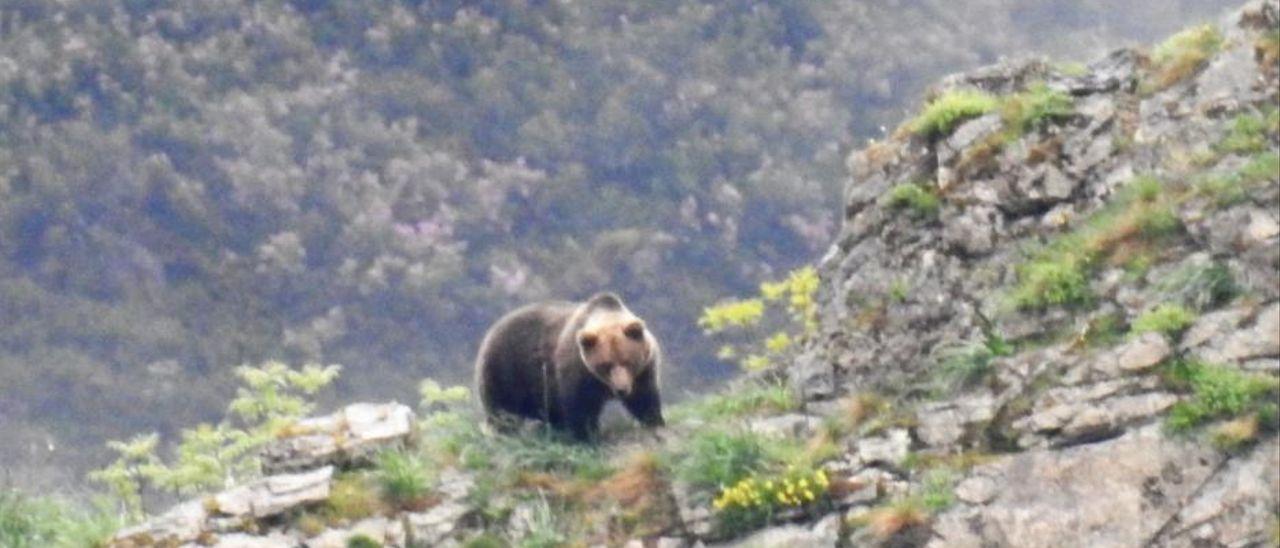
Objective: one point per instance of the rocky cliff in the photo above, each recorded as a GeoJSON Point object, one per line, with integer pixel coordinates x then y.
{"type": "Point", "coordinates": [1051, 318]}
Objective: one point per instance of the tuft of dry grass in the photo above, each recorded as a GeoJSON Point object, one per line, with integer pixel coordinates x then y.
{"type": "Point", "coordinates": [1237, 433]}
{"type": "Point", "coordinates": [889, 521]}
{"type": "Point", "coordinates": [861, 407]}
{"type": "Point", "coordinates": [640, 490]}
{"type": "Point", "coordinates": [1267, 51]}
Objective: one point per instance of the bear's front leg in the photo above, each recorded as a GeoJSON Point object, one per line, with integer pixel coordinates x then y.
{"type": "Point", "coordinates": [581, 416]}
{"type": "Point", "coordinates": [644, 403]}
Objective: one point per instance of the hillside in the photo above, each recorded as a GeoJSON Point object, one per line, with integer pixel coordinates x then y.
{"type": "Point", "coordinates": [189, 186]}
{"type": "Point", "coordinates": [1051, 316]}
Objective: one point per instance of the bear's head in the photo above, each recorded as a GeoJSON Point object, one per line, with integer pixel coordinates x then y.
{"type": "Point", "coordinates": [614, 344]}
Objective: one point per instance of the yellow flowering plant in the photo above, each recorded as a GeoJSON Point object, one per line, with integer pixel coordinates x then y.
{"type": "Point", "coordinates": [756, 499]}
{"type": "Point", "coordinates": [761, 329]}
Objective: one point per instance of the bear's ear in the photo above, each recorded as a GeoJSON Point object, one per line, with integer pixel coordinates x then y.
{"type": "Point", "coordinates": [634, 330]}
{"type": "Point", "coordinates": [588, 340]}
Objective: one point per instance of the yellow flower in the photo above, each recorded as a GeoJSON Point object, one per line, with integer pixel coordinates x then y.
{"type": "Point", "coordinates": [808, 494]}
{"type": "Point", "coordinates": [822, 479]}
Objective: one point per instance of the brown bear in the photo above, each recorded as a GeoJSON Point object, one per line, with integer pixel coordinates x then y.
{"type": "Point", "coordinates": [560, 362]}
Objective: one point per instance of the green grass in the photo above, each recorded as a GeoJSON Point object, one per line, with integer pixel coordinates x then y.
{"type": "Point", "coordinates": [969, 364]}
{"type": "Point", "coordinates": [1104, 330]}
{"type": "Point", "coordinates": [405, 478]}
{"type": "Point", "coordinates": [1182, 55]}
{"type": "Point", "coordinates": [1248, 134]}
{"type": "Point", "coordinates": [39, 522]}
{"type": "Point", "coordinates": [485, 540]}
{"type": "Point", "coordinates": [755, 398]}
{"type": "Point", "coordinates": [943, 114]}
{"type": "Point", "coordinates": [1034, 107]}
{"type": "Point", "coordinates": [506, 457]}
{"type": "Point", "coordinates": [1218, 392]}
{"type": "Point", "coordinates": [937, 490]}
{"type": "Point", "coordinates": [352, 497]}
{"type": "Point", "coordinates": [1053, 281]}
{"type": "Point", "coordinates": [712, 459]}
{"type": "Point", "coordinates": [363, 541]}
{"type": "Point", "coordinates": [1168, 319]}
{"type": "Point", "coordinates": [546, 528]}
{"type": "Point", "coordinates": [1200, 285]}
{"type": "Point", "coordinates": [1230, 189]}
{"type": "Point", "coordinates": [1127, 230]}
{"type": "Point", "coordinates": [913, 198]}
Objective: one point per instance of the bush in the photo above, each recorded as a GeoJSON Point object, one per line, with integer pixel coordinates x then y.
{"type": "Point", "coordinates": [1167, 319]}
{"type": "Point", "coordinates": [946, 112]}
{"type": "Point", "coordinates": [209, 457]}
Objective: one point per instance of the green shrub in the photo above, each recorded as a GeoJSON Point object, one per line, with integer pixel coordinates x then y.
{"type": "Point", "coordinates": [209, 457]}
{"type": "Point", "coordinates": [1168, 319]}
{"type": "Point", "coordinates": [914, 198]}
{"type": "Point", "coordinates": [1034, 107]}
{"type": "Point", "coordinates": [946, 112]}
{"type": "Point", "coordinates": [404, 477]}
{"type": "Point", "coordinates": [1217, 392]}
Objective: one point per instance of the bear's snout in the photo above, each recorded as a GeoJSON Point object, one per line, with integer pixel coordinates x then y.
{"type": "Point", "coordinates": [620, 380]}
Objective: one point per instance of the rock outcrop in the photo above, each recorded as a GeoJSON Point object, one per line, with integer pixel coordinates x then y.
{"type": "Point", "coordinates": [1066, 332]}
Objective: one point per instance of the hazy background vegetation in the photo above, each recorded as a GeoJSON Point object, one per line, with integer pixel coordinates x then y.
{"type": "Point", "coordinates": [188, 186]}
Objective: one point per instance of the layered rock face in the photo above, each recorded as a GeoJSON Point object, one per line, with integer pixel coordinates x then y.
{"type": "Point", "coordinates": [1074, 420]}
{"type": "Point", "coordinates": [1069, 294]}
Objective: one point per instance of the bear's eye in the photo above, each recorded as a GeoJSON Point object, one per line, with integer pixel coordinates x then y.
{"type": "Point", "coordinates": [634, 331]}
{"type": "Point", "coordinates": [588, 341]}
